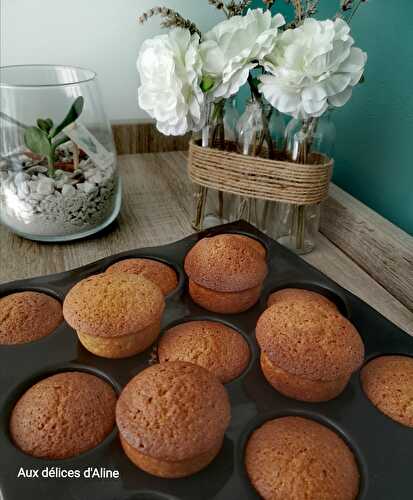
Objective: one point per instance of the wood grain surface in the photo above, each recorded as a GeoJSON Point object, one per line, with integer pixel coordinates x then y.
{"type": "Point", "coordinates": [383, 250]}
{"type": "Point", "coordinates": [157, 210]}
{"type": "Point", "coordinates": [143, 137]}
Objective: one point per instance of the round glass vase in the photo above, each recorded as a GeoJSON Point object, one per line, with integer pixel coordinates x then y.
{"type": "Point", "coordinates": [55, 184]}
{"type": "Point", "coordinates": [297, 226]}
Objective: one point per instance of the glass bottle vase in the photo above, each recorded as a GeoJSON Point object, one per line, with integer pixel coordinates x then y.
{"type": "Point", "coordinates": [296, 226]}
{"type": "Point", "coordinates": [213, 207]}
{"type": "Point", "coordinates": [260, 133]}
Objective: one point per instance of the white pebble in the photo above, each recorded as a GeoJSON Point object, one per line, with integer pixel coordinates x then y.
{"type": "Point", "coordinates": [68, 190]}
{"type": "Point", "coordinates": [86, 187]}
{"type": "Point", "coordinates": [45, 186]}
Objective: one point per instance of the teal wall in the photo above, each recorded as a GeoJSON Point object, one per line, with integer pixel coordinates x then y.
{"type": "Point", "coordinates": [374, 150]}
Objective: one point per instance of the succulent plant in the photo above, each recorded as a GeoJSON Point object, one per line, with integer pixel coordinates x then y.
{"type": "Point", "coordinates": [44, 139]}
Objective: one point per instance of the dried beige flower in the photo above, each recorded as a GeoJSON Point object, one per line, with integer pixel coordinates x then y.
{"type": "Point", "coordinates": [171, 19]}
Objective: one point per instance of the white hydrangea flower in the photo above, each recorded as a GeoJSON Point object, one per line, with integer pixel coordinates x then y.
{"type": "Point", "coordinates": [232, 48]}
{"type": "Point", "coordinates": [311, 68]}
{"type": "Point", "coordinates": [170, 69]}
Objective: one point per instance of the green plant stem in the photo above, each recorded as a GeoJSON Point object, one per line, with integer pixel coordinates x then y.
{"type": "Point", "coordinates": [299, 212]}
{"type": "Point", "coordinates": [355, 9]}
{"type": "Point", "coordinates": [215, 139]}
{"type": "Point", "coordinates": [50, 164]}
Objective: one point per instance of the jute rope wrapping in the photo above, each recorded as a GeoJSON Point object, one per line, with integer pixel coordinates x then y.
{"type": "Point", "coordinates": [261, 178]}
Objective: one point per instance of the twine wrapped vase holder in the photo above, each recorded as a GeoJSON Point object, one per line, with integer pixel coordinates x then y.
{"type": "Point", "coordinates": [272, 180]}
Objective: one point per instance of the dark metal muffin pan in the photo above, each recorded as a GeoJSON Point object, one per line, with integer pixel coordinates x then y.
{"type": "Point", "coordinates": [383, 448]}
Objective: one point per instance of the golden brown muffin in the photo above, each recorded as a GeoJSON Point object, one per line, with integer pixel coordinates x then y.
{"type": "Point", "coordinates": [226, 272]}
{"type": "Point", "coordinates": [153, 270]}
{"type": "Point", "coordinates": [224, 302]}
{"type": "Point", "coordinates": [115, 315]}
{"type": "Point", "coordinates": [294, 458]}
{"type": "Point", "coordinates": [296, 387]}
{"type": "Point", "coordinates": [388, 382]}
{"type": "Point", "coordinates": [172, 418]}
{"type": "Point", "coordinates": [212, 345]}
{"type": "Point", "coordinates": [301, 296]}
{"type": "Point", "coordinates": [309, 343]}
{"type": "Point", "coordinates": [28, 316]}
{"type": "Point", "coordinates": [255, 244]}
{"type": "Point", "coordinates": [63, 415]}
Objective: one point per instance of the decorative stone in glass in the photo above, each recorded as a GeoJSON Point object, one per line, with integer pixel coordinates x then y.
{"type": "Point", "coordinates": [56, 183]}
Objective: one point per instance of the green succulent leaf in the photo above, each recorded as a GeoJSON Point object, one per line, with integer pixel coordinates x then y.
{"type": "Point", "coordinates": [45, 125]}
{"type": "Point", "coordinates": [207, 83]}
{"type": "Point", "coordinates": [255, 83]}
{"type": "Point", "coordinates": [74, 113]}
{"type": "Point", "coordinates": [37, 141]}
{"type": "Point", "coordinates": [60, 141]}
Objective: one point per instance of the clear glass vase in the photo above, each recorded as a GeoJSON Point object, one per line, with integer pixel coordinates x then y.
{"type": "Point", "coordinates": [260, 133]}
{"type": "Point", "coordinates": [297, 226]}
{"type": "Point", "coordinates": [57, 183]}
{"type": "Point", "coordinates": [213, 207]}
{"type": "Point", "coordinates": [276, 128]}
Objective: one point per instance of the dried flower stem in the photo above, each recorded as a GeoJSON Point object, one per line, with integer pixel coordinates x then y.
{"type": "Point", "coordinates": [298, 9]}
{"type": "Point", "coordinates": [232, 8]}
{"type": "Point", "coordinates": [302, 10]}
{"type": "Point", "coordinates": [237, 8]}
{"type": "Point", "coordinates": [311, 8]}
{"type": "Point", "coordinates": [171, 19]}
{"type": "Point", "coordinates": [268, 3]}
{"type": "Point", "coordinates": [219, 4]}
{"type": "Point", "coordinates": [350, 8]}
{"type": "Point", "coordinates": [354, 10]}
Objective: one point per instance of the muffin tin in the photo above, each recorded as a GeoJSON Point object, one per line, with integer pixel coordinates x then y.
{"type": "Point", "coordinates": [383, 448]}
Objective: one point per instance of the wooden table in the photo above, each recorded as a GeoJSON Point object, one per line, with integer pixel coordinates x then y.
{"type": "Point", "coordinates": [156, 210]}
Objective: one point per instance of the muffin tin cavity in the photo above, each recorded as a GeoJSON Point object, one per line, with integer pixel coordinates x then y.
{"type": "Point", "coordinates": [387, 382]}
{"type": "Point", "coordinates": [28, 315]}
{"type": "Point", "coordinates": [150, 496]}
{"type": "Point", "coordinates": [343, 434]}
{"type": "Point", "coordinates": [382, 447]}
{"type": "Point", "coordinates": [16, 394]}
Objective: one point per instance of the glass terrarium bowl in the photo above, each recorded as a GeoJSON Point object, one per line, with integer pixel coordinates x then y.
{"type": "Point", "coordinates": [57, 183]}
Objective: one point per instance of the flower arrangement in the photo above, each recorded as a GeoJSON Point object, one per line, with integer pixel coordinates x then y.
{"type": "Point", "coordinates": [305, 66]}
{"type": "Point", "coordinates": [301, 68]}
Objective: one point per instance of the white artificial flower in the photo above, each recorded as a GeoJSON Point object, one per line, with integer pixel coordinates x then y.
{"type": "Point", "coordinates": [232, 48]}
{"type": "Point", "coordinates": [311, 68]}
{"type": "Point", "coordinates": [170, 69]}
